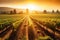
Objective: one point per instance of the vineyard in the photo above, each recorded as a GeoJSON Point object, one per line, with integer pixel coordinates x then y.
{"type": "Point", "coordinates": [50, 23]}
{"type": "Point", "coordinates": [10, 19]}
{"type": "Point", "coordinates": [30, 27]}
{"type": "Point", "coordinates": [9, 22]}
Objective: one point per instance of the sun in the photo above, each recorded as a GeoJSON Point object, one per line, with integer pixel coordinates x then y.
{"type": "Point", "coordinates": [31, 7]}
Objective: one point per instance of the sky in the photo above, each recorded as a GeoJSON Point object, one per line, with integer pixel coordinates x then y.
{"type": "Point", "coordinates": [43, 4]}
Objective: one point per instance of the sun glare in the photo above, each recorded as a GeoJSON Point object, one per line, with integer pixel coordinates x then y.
{"type": "Point", "coordinates": [28, 6]}
{"type": "Point", "coordinates": [31, 7]}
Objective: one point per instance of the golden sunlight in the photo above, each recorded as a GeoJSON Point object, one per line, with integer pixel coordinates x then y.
{"type": "Point", "coordinates": [30, 7]}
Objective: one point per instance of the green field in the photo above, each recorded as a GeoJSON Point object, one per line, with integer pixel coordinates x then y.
{"type": "Point", "coordinates": [51, 21]}
{"type": "Point", "coordinates": [44, 17]}
{"type": "Point", "coordinates": [14, 19]}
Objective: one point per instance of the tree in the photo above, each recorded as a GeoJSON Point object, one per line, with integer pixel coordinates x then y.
{"type": "Point", "coordinates": [14, 11]}
{"type": "Point", "coordinates": [52, 11]}
{"type": "Point", "coordinates": [45, 11]}
{"type": "Point", "coordinates": [27, 11]}
{"type": "Point", "coordinates": [11, 12]}
{"type": "Point", "coordinates": [57, 11]}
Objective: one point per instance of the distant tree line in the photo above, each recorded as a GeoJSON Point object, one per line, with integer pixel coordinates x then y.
{"type": "Point", "coordinates": [57, 11]}
{"type": "Point", "coordinates": [9, 12]}
{"type": "Point", "coordinates": [14, 11]}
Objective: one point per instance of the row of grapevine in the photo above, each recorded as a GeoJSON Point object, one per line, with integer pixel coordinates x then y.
{"type": "Point", "coordinates": [49, 22]}
{"type": "Point", "coordinates": [9, 21]}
